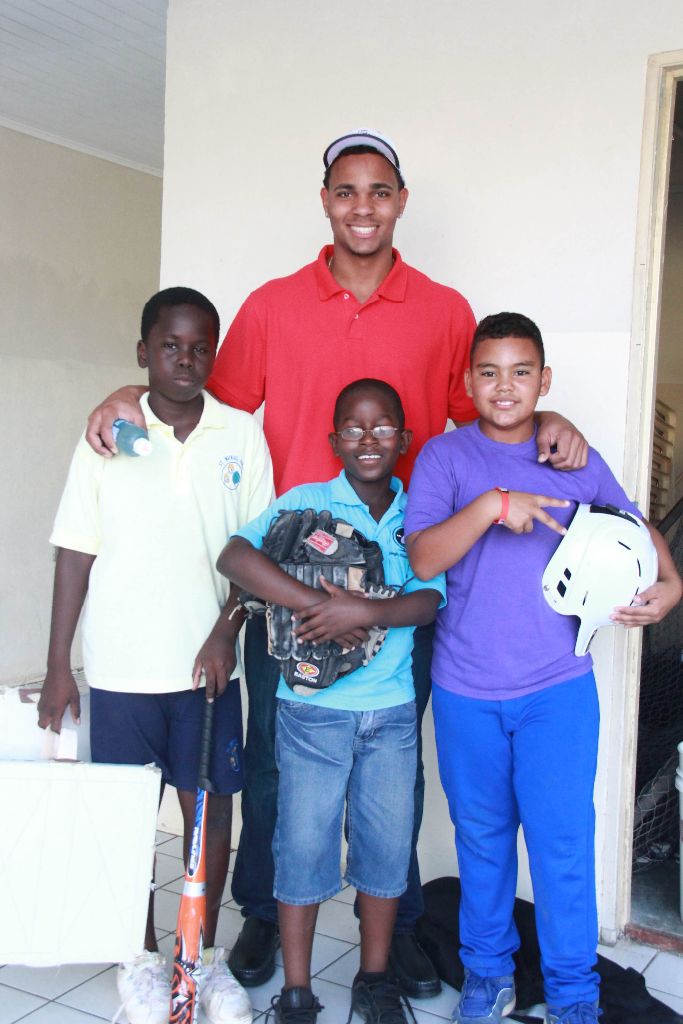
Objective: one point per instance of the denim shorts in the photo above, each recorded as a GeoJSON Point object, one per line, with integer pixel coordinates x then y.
{"type": "Point", "coordinates": [328, 760]}
{"type": "Point", "coordinates": [165, 729]}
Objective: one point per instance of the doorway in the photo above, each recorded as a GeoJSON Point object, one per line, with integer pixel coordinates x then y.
{"type": "Point", "coordinates": [656, 380]}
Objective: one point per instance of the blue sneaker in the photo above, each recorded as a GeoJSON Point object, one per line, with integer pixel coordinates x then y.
{"type": "Point", "coordinates": [485, 1000]}
{"type": "Point", "coordinates": [579, 1013]}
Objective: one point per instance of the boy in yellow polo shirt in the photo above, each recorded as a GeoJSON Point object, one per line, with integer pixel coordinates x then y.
{"type": "Point", "coordinates": [140, 537]}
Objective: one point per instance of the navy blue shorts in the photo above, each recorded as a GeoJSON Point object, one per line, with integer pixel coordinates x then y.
{"type": "Point", "coordinates": [141, 728]}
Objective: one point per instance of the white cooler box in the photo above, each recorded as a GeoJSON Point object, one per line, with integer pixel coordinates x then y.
{"type": "Point", "coordinates": [76, 860]}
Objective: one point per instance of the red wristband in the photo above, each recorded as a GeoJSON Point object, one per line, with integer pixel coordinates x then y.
{"type": "Point", "coordinates": [504, 506]}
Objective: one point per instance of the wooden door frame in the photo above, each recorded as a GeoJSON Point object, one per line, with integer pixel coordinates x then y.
{"type": "Point", "coordinates": [664, 72]}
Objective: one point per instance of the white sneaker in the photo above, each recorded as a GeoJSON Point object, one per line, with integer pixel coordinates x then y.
{"type": "Point", "coordinates": [145, 989]}
{"type": "Point", "coordinates": [222, 998]}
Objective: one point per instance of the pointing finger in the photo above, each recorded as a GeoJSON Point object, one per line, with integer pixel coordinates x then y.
{"type": "Point", "coordinates": [543, 517]}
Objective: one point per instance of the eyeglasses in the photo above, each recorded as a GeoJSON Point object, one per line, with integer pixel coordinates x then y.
{"type": "Point", "coordinates": [381, 432]}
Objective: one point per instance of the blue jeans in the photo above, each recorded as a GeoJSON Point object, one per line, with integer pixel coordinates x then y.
{"type": "Point", "coordinates": [330, 761]}
{"type": "Point", "coordinates": [253, 877]}
{"type": "Point", "coordinates": [528, 760]}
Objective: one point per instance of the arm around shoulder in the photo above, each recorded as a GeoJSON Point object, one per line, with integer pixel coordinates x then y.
{"type": "Point", "coordinates": [558, 433]}
{"type": "Point", "coordinates": [123, 404]}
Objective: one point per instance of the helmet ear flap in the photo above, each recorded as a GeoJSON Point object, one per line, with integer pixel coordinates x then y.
{"type": "Point", "coordinates": [605, 558]}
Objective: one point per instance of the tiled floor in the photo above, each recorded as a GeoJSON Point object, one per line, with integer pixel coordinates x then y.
{"type": "Point", "coordinates": [87, 993]}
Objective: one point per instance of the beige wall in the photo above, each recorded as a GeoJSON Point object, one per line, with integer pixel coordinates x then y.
{"type": "Point", "coordinates": [519, 127]}
{"type": "Point", "coordinates": [79, 254]}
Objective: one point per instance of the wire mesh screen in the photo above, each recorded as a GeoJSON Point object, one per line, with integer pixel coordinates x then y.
{"type": "Point", "coordinates": [660, 724]}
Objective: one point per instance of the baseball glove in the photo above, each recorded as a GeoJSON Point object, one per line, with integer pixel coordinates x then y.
{"type": "Point", "coordinates": [307, 545]}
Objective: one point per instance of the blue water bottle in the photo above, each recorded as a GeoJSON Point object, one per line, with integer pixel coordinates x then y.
{"type": "Point", "coordinates": [130, 440]}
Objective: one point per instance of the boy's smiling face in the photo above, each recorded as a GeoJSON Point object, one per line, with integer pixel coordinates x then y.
{"type": "Point", "coordinates": [179, 352]}
{"type": "Point", "coordinates": [505, 381]}
{"type": "Point", "coordinates": [370, 459]}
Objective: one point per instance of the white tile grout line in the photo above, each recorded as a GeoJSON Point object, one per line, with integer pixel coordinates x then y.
{"type": "Point", "coordinates": [55, 999]}
{"type": "Point", "coordinates": [341, 956]}
{"type": "Point", "coordinates": [52, 1002]}
{"type": "Point", "coordinates": [655, 954]}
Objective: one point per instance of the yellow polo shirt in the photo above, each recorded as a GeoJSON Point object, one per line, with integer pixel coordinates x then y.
{"type": "Point", "coordinates": [157, 525]}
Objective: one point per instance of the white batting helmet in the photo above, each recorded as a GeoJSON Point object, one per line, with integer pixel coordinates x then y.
{"type": "Point", "coordinates": [605, 558]}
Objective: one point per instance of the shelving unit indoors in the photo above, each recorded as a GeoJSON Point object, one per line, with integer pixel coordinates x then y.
{"type": "Point", "coordinates": [661, 480]}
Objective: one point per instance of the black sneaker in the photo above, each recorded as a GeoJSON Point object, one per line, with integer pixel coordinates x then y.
{"type": "Point", "coordinates": [377, 999]}
{"type": "Point", "coordinates": [294, 1006]}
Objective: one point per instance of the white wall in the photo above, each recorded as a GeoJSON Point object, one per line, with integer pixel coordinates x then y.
{"type": "Point", "coordinates": [79, 255]}
{"type": "Point", "coordinates": [519, 127]}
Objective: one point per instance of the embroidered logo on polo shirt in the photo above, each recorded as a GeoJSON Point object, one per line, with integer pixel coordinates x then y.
{"type": "Point", "coordinates": [231, 468]}
{"type": "Point", "coordinates": [399, 536]}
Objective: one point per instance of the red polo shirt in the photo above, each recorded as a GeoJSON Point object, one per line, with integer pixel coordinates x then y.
{"type": "Point", "coordinates": [298, 340]}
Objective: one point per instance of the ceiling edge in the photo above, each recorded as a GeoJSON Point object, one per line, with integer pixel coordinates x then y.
{"type": "Point", "coordinates": [57, 140]}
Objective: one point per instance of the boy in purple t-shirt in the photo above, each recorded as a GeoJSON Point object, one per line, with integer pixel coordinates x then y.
{"type": "Point", "coordinates": [515, 711]}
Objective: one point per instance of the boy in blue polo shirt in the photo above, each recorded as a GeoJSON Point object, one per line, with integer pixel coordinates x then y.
{"type": "Point", "coordinates": [354, 743]}
{"type": "Point", "coordinates": [515, 711]}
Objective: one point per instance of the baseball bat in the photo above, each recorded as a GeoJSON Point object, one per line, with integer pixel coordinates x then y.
{"type": "Point", "coordinates": [189, 940]}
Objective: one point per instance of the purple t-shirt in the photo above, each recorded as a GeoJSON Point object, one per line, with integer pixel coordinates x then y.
{"type": "Point", "coordinates": [497, 637]}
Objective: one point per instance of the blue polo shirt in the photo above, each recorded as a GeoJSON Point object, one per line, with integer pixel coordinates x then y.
{"type": "Point", "coordinates": [388, 679]}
